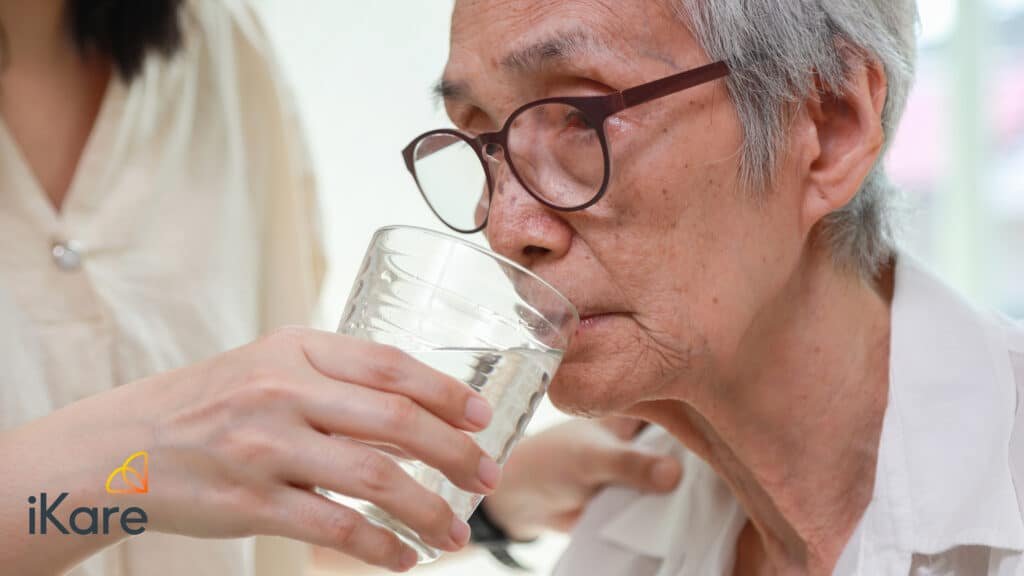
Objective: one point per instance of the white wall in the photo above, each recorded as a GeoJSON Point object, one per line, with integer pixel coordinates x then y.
{"type": "Point", "coordinates": [362, 73]}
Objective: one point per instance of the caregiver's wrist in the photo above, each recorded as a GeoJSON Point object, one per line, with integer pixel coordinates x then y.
{"type": "Point", "coordinates": [95, 437]}
{"type": "Point", "coordinates": [63, 461]}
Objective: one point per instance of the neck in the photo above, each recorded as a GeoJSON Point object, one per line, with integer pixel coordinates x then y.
{"type": "Point", "coordinates": [35, 34]}
{"type": "Point", "coordinates": [794, 429]}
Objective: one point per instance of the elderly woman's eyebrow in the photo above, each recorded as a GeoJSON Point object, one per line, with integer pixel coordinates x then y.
{"type": "Point", "coordinates": [557, 47]}
{"type": "Point", "coordinates": [533, 57]}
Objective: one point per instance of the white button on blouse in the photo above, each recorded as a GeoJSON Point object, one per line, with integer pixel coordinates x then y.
{"type": "Point", "coordinates": [67, 255]}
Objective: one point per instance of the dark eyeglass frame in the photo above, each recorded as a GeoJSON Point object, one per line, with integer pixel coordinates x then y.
{"type": "Point", "coordinates": [596, 109]}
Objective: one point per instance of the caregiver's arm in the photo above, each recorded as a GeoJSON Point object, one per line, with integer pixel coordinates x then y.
{"type": "Point", "coordinates": [236, 442]}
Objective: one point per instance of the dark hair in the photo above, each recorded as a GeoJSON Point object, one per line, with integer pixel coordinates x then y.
{"type": "Point", "coordinates": [125, 30]}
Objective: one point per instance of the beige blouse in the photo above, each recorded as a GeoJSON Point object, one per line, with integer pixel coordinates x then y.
{"type": "Point", "coordinates": [189, 228]}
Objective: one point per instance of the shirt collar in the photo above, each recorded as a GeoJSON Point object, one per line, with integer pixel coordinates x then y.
{"type": "Point", "coordinates": [682, 527]}
{"type": "Point", "coordinates": [943, 478]}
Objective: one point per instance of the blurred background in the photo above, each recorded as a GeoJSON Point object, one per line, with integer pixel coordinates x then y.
{"type": "Point", "coordinates": [362, 74]}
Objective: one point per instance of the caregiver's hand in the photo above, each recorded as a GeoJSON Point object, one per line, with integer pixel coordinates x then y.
{"type": "Point", "coordinates": [235, 444]}
{"type": "Point", "coordinates": [549, 478]}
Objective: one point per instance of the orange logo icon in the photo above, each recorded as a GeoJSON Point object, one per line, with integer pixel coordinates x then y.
{"type": "Point", "coordinates": [132, 480]}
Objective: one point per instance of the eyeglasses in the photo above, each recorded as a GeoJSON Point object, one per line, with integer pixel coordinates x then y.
{"type": "Point", "coordinates": [556, 148]}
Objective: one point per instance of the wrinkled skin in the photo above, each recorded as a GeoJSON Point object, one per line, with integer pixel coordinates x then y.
{"type": "Point", "coordinates": [653, 321]}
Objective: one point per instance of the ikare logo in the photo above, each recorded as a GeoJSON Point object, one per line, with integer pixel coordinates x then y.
{"type": "Point", "coordinates": [134, 476]}
{"type": "Point", "coordinates": [131, 477]}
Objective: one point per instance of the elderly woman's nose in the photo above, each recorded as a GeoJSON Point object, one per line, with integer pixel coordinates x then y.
{"type": "Point", "coordinates": [519, 227]}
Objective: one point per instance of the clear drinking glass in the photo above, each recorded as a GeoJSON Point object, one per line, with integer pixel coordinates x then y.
{"type": "Point", "coordinates": [471, 314]}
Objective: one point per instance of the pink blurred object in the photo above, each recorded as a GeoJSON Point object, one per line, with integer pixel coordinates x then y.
{"type": "Point", "coordinates": [920, 151]}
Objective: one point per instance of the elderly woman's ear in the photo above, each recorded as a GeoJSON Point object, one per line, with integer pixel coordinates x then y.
{"type": "Point", "coordinates": [840, 137]}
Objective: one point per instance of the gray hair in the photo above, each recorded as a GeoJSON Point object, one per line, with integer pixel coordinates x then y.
{"type": "Point", "coordinates": [779, 50]}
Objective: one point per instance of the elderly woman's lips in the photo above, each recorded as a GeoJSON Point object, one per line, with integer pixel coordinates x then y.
{"type": "Point", "coordinates": [594, 320]}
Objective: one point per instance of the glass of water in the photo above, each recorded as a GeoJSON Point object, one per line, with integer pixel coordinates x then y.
{"type": "Point", "coordinates": [471, 314]}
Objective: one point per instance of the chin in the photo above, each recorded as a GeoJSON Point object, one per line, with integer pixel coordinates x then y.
{"type": "Point", "coordinates": [610, 368]}
{"type": "Point", "coordinates": [592, 390]}
{"type": "Point", "coordinates": [600, 374]}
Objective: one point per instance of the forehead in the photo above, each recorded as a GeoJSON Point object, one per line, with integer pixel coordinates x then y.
{"type": "Point", "coordinates": [512, 35]}
{"type": "Point", "coordinates": [509, 18]}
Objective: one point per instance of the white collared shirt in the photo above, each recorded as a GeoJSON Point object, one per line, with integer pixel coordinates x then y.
{"type": "Point", "coordinates": [949, 485]}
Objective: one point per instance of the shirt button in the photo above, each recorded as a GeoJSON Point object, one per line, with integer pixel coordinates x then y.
{"type": "Point", "coordinates": [67, 255]}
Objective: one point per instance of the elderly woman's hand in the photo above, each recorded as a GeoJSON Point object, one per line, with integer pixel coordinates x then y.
{"type": "Point", "coordinates": [236, 444]}
{"type": "Point", "coordinates": [550, 477]}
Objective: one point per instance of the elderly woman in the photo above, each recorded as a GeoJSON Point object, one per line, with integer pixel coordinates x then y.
{"type": "Point", "coordinates": [703, 179]}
